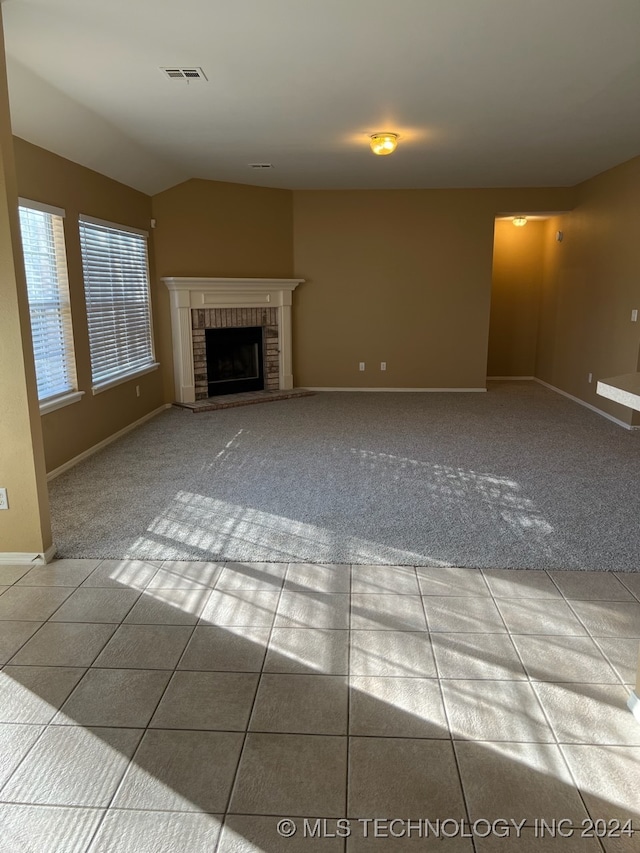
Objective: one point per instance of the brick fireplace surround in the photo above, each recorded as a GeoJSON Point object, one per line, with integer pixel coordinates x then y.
{"type": "Point", "coordinates": [198, 304]}
{"type": "Point", "coordinates": [235, 318]}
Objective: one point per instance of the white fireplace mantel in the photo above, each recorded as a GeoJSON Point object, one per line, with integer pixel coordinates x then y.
{"type": "Point", "coordinates": [188, 293]}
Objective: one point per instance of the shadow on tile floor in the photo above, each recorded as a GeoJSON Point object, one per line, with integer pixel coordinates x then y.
{"type": "Point", "coordinates": [185, 706]}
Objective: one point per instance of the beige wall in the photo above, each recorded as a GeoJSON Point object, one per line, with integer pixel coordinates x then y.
{"type": "Point", "coordinates": [402, 276]}
{"type": "Point", "coordinates": [398, 276]}
{"type": "Point", "coordinates": [591, 284]}
{"type": "Point", "coordinates": [515, 298]}
{"type": "Point", "coordinates": [25, 526]}
{"type": "Point", "coordinates": [210, 228]}
{"type": "Point", "coordinates": [45, 177]}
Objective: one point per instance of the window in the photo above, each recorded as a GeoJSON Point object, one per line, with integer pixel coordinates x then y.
{"type": "Point", "coordinates": [116, 285]}
{"type": "Point", "coordinates": [45, 263]}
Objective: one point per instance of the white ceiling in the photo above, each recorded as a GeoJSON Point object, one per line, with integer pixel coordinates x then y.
{"type": "Point", "coordinates": [482, 92]}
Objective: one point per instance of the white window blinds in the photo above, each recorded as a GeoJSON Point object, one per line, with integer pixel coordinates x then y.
{"type": "Point", "coordinates": [48, 291]}
{"type": "Point", "coordinates": [116, 284]}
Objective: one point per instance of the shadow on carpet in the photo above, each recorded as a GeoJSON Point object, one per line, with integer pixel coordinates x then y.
{"type": "Point", "coordinates": [518, 477]}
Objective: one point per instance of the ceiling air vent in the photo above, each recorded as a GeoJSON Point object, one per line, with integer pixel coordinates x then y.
{"type": "Point", "coordinates": [260, 165]}
{"type": "Point", "coordinates": [185, 73]}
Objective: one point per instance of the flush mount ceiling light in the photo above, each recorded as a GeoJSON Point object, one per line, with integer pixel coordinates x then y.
{"type": "Point", "coordinates": [383, 143]}
{"type": "Point", "coordinates": [519, 221]}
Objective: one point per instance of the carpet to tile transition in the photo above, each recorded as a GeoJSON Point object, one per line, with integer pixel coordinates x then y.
{"type": "Point", "coordinates": [517, 477]}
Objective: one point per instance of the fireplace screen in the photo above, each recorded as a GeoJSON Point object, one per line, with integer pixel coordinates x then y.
{"type": "Point", "coordinates": [234, 360]}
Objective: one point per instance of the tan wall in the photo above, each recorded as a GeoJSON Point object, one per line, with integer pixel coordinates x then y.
{"type": "Point", "coordinates": [210, 228]}
{"type": "Point", "coordinates": [45, 177]}
{"type": "Point", "coordinates": [591, 284]}
{"type": "Point", "coordinates": [402, 276]}
{"type": "Point", "coordinates": [25, 526]}
{"type": "Point", "coordinates": [515, 298]}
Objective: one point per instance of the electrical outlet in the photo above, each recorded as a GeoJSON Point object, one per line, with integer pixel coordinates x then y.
{"type": "Point", "coordinates": [361, 365]}
{"type": "Point", "coordinates": [634, 315]}
{"type": "Point", "coordinates": [383, 365]}
{"type": "Point", "coordinates": [4, 501]}
{"type": "Point", "coordinates": [137, 390]}
{"type": "Point", "coordinates": [590, 378]}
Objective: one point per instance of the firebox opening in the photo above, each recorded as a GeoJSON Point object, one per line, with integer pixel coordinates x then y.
{"type": "Point", "coordinates": [234, 360]}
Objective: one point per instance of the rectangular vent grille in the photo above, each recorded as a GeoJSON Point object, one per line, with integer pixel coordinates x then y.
{"type": "Point", "coordinates": [260, 166]}
{"type": "Point", "coordinates": [185, 73]}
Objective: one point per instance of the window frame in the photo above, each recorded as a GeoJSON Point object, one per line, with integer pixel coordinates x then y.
{"type": "Point", "coordinates": [123, 375]}
{"type": "Point", "coordinates": [59, 399]}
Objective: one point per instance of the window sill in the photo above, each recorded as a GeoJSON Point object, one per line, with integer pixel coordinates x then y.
{"type": "Point", "coordinates": [118, 380]}
{"type": "Point", "coordinates": [59, 402]}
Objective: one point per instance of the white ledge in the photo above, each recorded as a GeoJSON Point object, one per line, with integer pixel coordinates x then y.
{"type": "Point", "coordinates": [236, 285]}
{"type": "Point", "coordinates": [54, 403]}
{"type": "Point", "coordinates": [623, 389]}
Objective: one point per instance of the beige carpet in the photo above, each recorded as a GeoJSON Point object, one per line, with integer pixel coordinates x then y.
{"type": "Point", "coordinates": [518, 477]}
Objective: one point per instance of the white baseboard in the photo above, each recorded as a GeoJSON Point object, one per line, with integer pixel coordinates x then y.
{"type": "Point", "coordinates": [585, 404]}
{"type": "Point", "coordinates": [495, 379]}
{"type": "Point", "coordinates": [21, 558]}
{"type": "Point", "coordinates": [400, 390]}
{"type": "Point", "coordinates": [634, 705]}
{"type": "Point", "coordinates": [96, 447]}
{"type": "Point", "coordinates": [50, 553]}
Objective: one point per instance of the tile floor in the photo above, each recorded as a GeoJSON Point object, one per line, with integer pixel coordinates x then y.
{"type": "Point", "coordinates": [190, 706]}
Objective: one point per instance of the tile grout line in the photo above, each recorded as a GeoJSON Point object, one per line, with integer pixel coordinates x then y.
{"type": "Point", "coordinates": [559, 744]}
{"type": "Point", "coordinates": [397, 630]}
{"type": "Point", "coordinates": [8, 662]}
{"type": "Point", "coordinates": [192, 813]}
{"type": "Point", "coordinates": [234, 781]}
{"type": "Point", "coordinates": [556, 741]}
{"type": "Point", "coordinates": [348, 739]}
{"type": "Point", "coordinates": [568, 601]}
{"type": "Point", "coordinates": [547, 719]}
{"type": "Point", "coordinates": [145, 729]}
{"type": "Point", "coordinates": [47, 726]}
{"type": "Point", "coordinates": [576, 786]}
{"type": "Point", "coordinates": [528, 676]}
{"type": "Point", "coordinates": [609, 660]}
{"type": "Point", "coordinates": [628, 588]}
{"type": "Point", "coordinates": [71, 591]}
{"type": "Point", "coordinates": [435, 739]}
{"type": "Point", "coordinates": [446, 714]}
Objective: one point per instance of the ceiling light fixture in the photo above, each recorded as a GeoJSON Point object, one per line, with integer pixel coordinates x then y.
{"type": "Point", "coordinates": [383, 143]}
{"type": "Point", "coordinates": [519, 221]}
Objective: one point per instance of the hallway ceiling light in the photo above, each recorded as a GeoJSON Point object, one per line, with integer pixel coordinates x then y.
{"type": "Point", "coordinates": [383, 143]}
{"type": "Point", "coordinates": [519, 221]}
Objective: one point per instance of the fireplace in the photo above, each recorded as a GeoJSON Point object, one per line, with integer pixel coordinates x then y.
{"type": "Point", "coordinates": [235, 350]}
{"type": "Point", "coordinates": [200, 304]}
{"type": "Point", "coordinates": [234, 360]}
